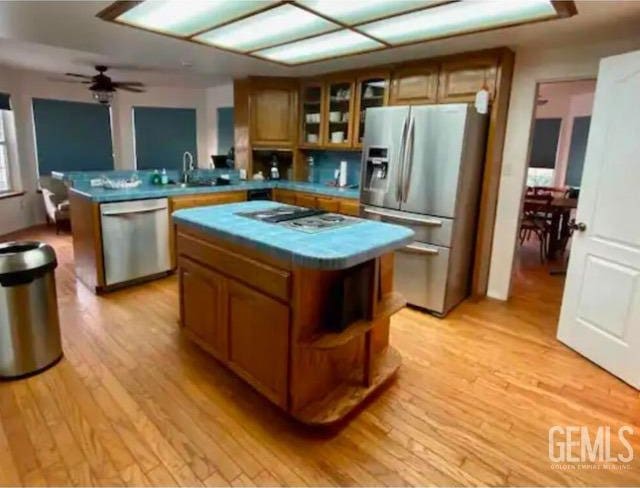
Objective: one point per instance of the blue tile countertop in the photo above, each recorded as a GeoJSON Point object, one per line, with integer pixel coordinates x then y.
{"type": "Point", "coordinates": [103, 195]}
{"type": "Point", "coordinates": [338, 248]}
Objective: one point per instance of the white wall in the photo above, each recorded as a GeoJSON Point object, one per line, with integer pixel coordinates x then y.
{"type": "Point", "coordinates": [23, 86]}
{"type": "Point", "coordinates": [533, 66]}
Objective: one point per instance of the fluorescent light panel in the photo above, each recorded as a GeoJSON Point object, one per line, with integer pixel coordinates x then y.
{"type": "Point", "coordinates": [320, 47]}
{"type": "Point", "coordinates": [355, 11]}
{"type": "Point", "coordinates": [274, 26]}
{"type": "Point", "coordinates": [183, 18]}
{"type": "Point", "coordinates": [457, 18]}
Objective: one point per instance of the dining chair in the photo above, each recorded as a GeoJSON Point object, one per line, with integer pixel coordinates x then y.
{"type": "Point", "coordinates": [536, 220]}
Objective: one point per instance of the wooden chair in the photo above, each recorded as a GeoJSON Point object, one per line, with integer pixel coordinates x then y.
{"type": "Point", "coordinates": [536, 219]}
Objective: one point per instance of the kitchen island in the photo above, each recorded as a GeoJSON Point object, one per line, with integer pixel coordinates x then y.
{"type": "Point", "coordinates": [300, 314]}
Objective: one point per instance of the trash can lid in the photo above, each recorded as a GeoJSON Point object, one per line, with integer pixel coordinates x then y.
{"type": "Point", "coordinates": [20, 256]}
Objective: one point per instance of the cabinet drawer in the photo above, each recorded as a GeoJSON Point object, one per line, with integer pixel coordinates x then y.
{"type": "Point", "coordinates": [327, 203]}
{"type": "Point", "coordinates": [285, 196]}
{"type": "Point", "coordinates": [270, 280]}
{"type": "Point", "coordinates": [191, 201]}
{"type": "Point", "coordinates": [350, 207]}
{"type": "Point", "coordinates": [305, 200]}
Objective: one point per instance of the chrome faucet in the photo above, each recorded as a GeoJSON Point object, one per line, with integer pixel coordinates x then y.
{"type": "Point", "coordinates": [187, 166]}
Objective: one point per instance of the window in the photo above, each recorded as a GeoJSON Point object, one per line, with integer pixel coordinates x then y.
{"type": "Point", "coordinates": [544, 145]}
{"type": "Point", "coordinates": [225, 129]}
{"type": "Point", "coordinates": [5, 118]}
{"type": "Point", "coordinates": [5, 175]}
{"type": "Point", "coordinates": [72, 136]}
{"type": "Point", "coordinates": [162, 135]}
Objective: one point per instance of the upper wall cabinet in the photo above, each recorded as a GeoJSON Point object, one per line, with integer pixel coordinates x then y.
{"type": "Point", "coordinates": [461, 79]}
{"type": "Point", "coordinates": [339, 104]}
{"type": "Point", "coordinates": [273, 112]}
{"type": "Point", "coordinates": [414, 85]}
{"type": "Point", "coordinates": [372, 90]}
{"type": "Point", "coordinates": [311, 113]}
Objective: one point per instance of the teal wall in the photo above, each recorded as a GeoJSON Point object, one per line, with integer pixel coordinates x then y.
{"type": "Point", "coordinates": [162, 135]}
{"type": "Point", "coordinates": [326, 162]}
{"type": "Point", "coordinates": [72, 136]}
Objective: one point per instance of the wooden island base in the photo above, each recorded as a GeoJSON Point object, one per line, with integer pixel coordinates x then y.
{"type": "Point", "coordinates": [273, 324]}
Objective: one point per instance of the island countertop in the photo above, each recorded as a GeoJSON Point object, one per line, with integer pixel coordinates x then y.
{"type": "Point", "coordinates": [332, 249]}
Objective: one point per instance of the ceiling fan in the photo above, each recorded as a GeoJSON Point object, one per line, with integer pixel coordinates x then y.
{"type": "Point", "coordinates": [103, 87]}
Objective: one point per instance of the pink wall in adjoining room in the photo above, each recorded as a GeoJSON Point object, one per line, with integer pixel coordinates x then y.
{"type": "Point", "coordinates": [565, 100]}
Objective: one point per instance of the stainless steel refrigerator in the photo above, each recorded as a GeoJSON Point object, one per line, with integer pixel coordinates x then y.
{"type": "Point", "coordinates": [422, 168]}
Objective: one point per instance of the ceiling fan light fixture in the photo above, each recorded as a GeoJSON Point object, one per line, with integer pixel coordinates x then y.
{"type": "Point", "coordinates": [103, 97]}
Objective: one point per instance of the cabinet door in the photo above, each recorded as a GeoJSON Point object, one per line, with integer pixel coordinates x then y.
{"type": "Point", "coordinates": [371, 91]}
{"type": "Point", "coordinates": [350, 207]}
{"type": "Point", "coordinates": [414, 85]}
{"type": "Point", "coordinates": [327, 203]}
{"type": "Point", "coordinates": [209, 199]}
{"type": "Point", "coordinates": [202, 309]}
{"type": "Point", "coordinates": [339, 107]}
{"type": "Point", "coordinates": [285, 196]}
{"type": "Point", "coordinates": [311, 114]}
{"type": "Point", "coordinates": [460, 80]}
{"type": "Point", "coordinates": [273, 116]}
{"type": "Point", "coordinates": [259, 340]}
{"type": "Point", "coordinates": [305, 200]}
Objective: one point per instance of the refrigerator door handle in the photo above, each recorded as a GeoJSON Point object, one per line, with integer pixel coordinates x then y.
{"type": "Point", "coordinates": [408, 157]}
{"type": "Point", "coordinates": [417, 220]}
{"type": "Point", "coordinates": [403, 142]}
{"type": "Point", "coordinates": [422, 249]}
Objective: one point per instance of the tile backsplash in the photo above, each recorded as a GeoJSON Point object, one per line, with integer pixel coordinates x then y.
{"type": "Point", "coordinates": [326, 162]}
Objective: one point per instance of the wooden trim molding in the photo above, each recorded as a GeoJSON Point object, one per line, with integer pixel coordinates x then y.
{"type": "Point", "coordinates": [11, 194]}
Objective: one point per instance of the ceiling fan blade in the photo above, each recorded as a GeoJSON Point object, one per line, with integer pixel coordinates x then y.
{"type": "Point", "coordinates": [130, 89]}
{"type": "Point", "coordinates": [77, 75]}
{"type": "Point", "coordinates": [130, 83]}
{"type": "Point", "coordinates": [65, 80]}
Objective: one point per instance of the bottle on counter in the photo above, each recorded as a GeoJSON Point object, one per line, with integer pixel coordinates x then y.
{"type": "Point", "coordinates": [164, 178]}
{"type": "Point", "coordinates": [311, 169]}
{"type": "Point", "coordinates": [155, 177]}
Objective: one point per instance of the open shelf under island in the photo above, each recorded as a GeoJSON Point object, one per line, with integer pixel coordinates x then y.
{"type": "Point", "coordinates": [302, 317]}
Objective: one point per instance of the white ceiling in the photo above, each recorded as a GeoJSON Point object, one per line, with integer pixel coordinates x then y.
{"type": "Point", "coordinates": [57, 37]}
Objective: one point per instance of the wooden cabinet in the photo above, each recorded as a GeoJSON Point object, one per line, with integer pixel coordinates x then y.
{"type": "Point", "coordinates": [312, 115]}
{"type": "Point", "coordinates": [350, 207]}
{"type": "Point", "coordinates": [461, 79]}
{"type": "Point", "coordinates": [259, 340]}
{"type": "Point", "coordinates": [284, 196]}
{"type": "Point", "coordinates": [189, 201]}
{"type": "Point", "coordinates": [339, 105]}
{"type": "Point", "coordinates": [306, 200]}
{"type": "Point", "coordinates": [372, 90]}
{"type": "Point", "coordinates": [414, 85]}
{"type": "Point", "coordinates": [203, 307]}
{"type": "Point", "coordinates": [327, 203]}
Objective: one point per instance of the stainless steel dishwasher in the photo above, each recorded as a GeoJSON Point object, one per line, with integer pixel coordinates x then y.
{"type": "Point", "coordinates": [135, 239]}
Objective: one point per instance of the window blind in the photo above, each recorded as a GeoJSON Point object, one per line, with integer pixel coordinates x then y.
{"type": "Point", "coordinates": [544, 145]}
{"type": "Point", "coordinates": [72, 136]}
{"type": "Point", "coordinates": [5, 101]}
{"type": "Point", "coordinates": [162, 135]}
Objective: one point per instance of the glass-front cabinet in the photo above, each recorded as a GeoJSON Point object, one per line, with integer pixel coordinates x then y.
{"type": "Point", "coordinates": [339, 109]}
{"type": "Point", "coordinates": [312, 114]}
{"type": "Point", "coordinates": [372, 91]}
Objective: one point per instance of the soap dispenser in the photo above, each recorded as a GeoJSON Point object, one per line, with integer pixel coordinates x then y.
{"type": "Point", "coordinates": [275, 172]}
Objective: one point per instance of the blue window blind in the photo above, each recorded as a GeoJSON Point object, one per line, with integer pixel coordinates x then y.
{"type": "Point", "coordinates": [544, 146]}
{"type": "Point", "coordinates": [5, 101]}
{"type": "Point", "coordinates": [163, 135]}
{"type": "Point", "coordinates": [577, 150]}
{"type": "Point", "coordinates": [225, 129]}
{"type": "Point", "coordinates": [72, 136]}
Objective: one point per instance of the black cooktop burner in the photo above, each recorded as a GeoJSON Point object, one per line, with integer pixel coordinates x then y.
{"type": "Point", "coordinates": [300, 218]}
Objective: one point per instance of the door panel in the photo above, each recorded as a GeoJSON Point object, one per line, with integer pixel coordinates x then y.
{"type": "Point", "coordinates": [414, 85]}
{"type": "Point", "coordinates": [432, 168]}
{"type": "Point", "coordinates": [203, 313]}
{"type": "Point", "coordinates": [433, 230]}
{"type": "Point", "coordinates": [420, 275]}
{"type": "Point", "coordinates": [383, 133]}
{"type": "Point", "coordinates": [601, 302]}
{"type": "Point", "coordinates": [259, 340]}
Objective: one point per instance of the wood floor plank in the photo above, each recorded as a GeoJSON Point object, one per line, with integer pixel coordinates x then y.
{"type": "Point", "coordinates": [134, 403]}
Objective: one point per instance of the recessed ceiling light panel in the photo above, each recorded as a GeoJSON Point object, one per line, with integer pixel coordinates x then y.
{"type": "Point", "coordinates": [183, 18]}
{"type": "Point", "coordinates": [457, 18]}
{"type": "Point", "coordinates": [320, 47]}
{"type": "Point", "coordinates": [355, 11]}
{"type": "Point", "coordinates": [274, 26]}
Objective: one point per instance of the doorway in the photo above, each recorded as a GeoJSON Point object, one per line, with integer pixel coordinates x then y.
{"type": "Point", "coordinates": [558, 142]}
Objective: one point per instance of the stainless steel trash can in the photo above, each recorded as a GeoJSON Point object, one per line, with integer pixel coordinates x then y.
{"type": "Point", "coordinates": [29, 324]}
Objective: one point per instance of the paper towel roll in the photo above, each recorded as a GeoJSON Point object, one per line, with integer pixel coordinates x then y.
{"type": "Point", "coordinates": [343, 174]}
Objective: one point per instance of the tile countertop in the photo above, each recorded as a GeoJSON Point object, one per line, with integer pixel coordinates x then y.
{"type": "Point", "coordinates": [103, 195]}
{"type": "Point", "coordinates": [338, 248]}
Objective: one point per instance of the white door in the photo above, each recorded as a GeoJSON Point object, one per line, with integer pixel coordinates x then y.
{"type": "Point", "coordinates": [600, 315]}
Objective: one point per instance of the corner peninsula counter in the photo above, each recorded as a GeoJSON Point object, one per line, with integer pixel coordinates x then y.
{"type": "Point", "coordinates": [302, 317]}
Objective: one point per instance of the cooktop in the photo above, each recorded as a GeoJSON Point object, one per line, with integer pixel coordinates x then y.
{"type": "Point", "coordinates": [301, 219]}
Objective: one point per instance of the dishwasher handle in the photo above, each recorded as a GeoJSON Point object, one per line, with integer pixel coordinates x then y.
{"type": "Point", "coordinates": [113, 213]}
{"type": "Point", "coordinates": [422, 249]}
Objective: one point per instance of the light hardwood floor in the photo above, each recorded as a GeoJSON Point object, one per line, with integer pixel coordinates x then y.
{"type": "Point", "coordinates": [134, 403]}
